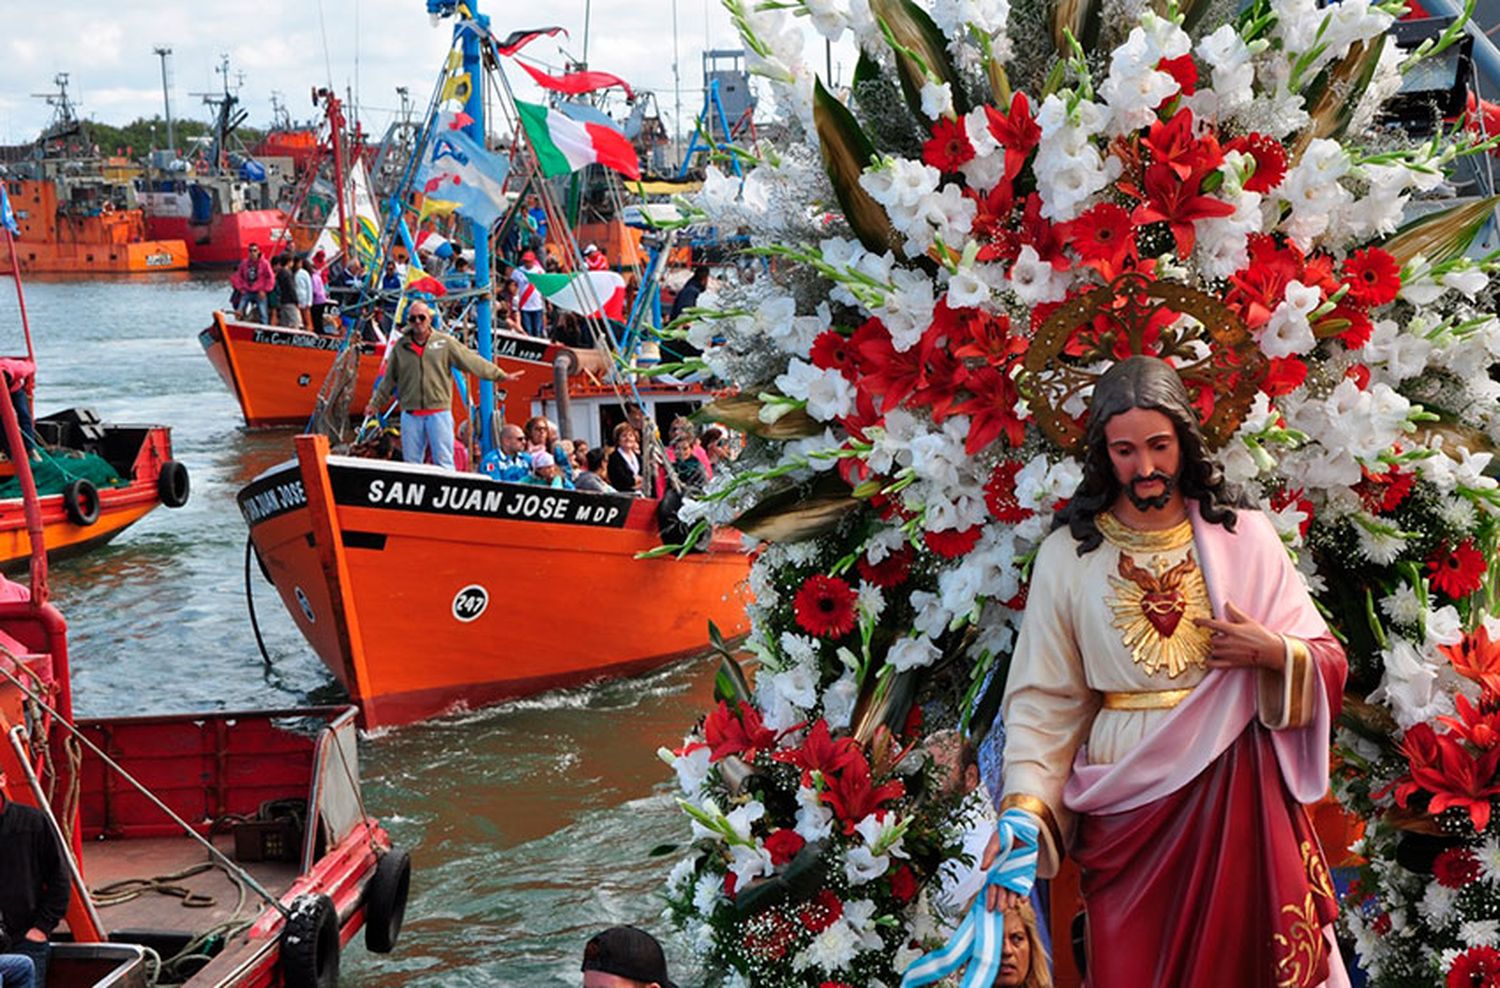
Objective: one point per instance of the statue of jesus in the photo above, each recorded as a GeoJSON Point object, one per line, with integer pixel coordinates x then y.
{"type": "Point", "coordinates": [1168, 712]}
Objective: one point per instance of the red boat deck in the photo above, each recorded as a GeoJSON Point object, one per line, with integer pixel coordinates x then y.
{"type": "Point", "coordinates": [108, 862]}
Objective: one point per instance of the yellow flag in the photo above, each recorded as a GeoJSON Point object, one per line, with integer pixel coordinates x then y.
{"type": "Point", "coordinates": [435, 207]}
{"type": "Point", "coordinates": [458, 87]}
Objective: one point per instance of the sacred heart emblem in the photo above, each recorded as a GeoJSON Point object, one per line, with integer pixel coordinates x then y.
{"type": "Point", "coordinates": [1164, 609]}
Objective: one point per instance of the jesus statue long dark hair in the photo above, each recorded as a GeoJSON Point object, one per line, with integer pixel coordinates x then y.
{"type": "Point", "coordinates": [1144, 382]}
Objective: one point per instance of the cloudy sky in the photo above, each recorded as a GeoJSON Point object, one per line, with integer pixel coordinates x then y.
{"type": "Point", "coordinates": [288, 46]}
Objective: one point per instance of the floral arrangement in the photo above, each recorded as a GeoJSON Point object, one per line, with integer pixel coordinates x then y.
{"type": "Point", "coordinates": [994, 162]}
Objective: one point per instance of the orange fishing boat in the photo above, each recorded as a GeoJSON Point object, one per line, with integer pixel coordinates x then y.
{"type": "Point", "coordinates": [276, 373]}
{"type": "Point", "coordinates": [408, 581]}
{"type": "Point", "coordinates": [74, 226]}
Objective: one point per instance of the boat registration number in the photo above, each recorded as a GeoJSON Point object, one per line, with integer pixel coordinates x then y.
{"type": "Point", "coordinates": [158, 260]}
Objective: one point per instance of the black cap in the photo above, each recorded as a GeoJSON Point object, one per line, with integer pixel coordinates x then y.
{"type": "Point", "coordinates": [629, 953]}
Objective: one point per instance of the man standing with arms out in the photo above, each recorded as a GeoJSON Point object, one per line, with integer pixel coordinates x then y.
{"type": "Point", "coordinates": [34, 884]}
{"type": "Point", "coordinates": [251, 281]}
{"type": "Point", "coordinates": [419, 370]}
{"type": "Point", "coordinates": [529, 301]}
{"type": "Point", "coordinates": [1168, 712]}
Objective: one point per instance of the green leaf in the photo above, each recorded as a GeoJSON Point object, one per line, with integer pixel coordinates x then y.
{"type": "Point", "coordinates": [730, 682]}
{"type": "Point", "coordinates": [920, 50]}
{"type": "Point", "coordinates": [1442, 235]}
{"type": "Point", "coordinates": [662, 850]}
{"type": "Point", "coordinates": [847, 152]}
{"type": "Point", "coordinates": [1332, 97]}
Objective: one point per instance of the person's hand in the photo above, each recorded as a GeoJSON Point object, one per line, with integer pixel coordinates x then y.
{"type": "Point", "coordinates": [36, 936]}
{"type": "Point", "coordinates": [997, 899]}
{"type": "Point", "coordinates": [370, 410]}
{"type": "Point", "coordinates": [1240, 641]}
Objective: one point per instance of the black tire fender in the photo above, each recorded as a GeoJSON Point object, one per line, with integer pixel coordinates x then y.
{"type": "Point", "coordinates": [81, 502]}
{"type": "Point", "coordinates": [173, 484]}
{"type": "Point", "coordinates": [310, 943]}
{"type": "Point", "coordinates": [385, 900]}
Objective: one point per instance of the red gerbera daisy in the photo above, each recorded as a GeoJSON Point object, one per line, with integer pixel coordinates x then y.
{"type": "Point", "coordinates": [1373, 277]}
{"type": "Point", "coordinates": [1477, 967]}
{"type": "Point", "coordinates": [889, 572]}
{"type": "Point", "coordinates": [1270, 160]}
{"type": "Point", "coordinates": [1000, 494]}
{"type": "Point", "coordinates": [1455, 867]}
{"type": "Point", "coordinates": [1457, 572]}
{"type": "Point", "coordinates": [951, 544]}
{"type": "Point", "coordinates": [833, 350]}
{"type": "Point", "coordinates": [825, 606]}
{"type": "Point", "coordinates": [1102, 234]}
{"type": "Point", "coordinates": [949, 146]}
{"type": "Point", "coordinates": [822, 912]}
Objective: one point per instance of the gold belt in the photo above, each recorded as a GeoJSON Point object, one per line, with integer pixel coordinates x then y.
{"type": "Point", "coordinates": [1145, 700]}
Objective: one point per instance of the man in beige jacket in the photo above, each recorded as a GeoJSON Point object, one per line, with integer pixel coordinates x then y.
{"type": "Point", "coordinates": [419, 372]}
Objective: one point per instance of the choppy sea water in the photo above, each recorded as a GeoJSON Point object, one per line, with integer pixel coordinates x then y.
{"type": "Point", "coordinates": [529, 824]}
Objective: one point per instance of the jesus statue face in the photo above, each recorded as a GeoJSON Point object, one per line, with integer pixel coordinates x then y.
{"type": "Point", "coordinates": [1146, 456]}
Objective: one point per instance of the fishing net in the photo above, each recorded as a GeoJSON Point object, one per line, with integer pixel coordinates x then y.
{"type": "Point", "coordinates": [331, 414]}
{"type": "Point", "coordinates": [57, 471]}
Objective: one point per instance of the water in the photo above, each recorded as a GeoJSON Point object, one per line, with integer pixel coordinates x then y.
{"type": "Point", "coordinates": [529, 824]}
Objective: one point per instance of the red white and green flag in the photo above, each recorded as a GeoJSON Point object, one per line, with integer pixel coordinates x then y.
{"type": "Point", "coordinates": [584, 292]}
{"type": "Point", "coordinates": [563, 146]}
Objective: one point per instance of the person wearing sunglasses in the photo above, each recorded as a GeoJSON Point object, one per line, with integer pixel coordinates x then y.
{"type": "Point", "coordinates": [420, 373]}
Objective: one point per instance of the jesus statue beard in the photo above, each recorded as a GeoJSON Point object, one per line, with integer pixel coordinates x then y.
{"type": "Point", "coordinates": [1156, 502]}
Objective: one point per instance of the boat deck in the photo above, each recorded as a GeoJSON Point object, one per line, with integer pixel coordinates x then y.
{"type": "Point", "coordinates": [110, 861]}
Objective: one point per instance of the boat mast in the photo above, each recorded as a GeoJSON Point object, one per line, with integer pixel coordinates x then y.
{"type": "Point", "coordinates": [472, 31]}
{"type": "Point", "coordinates": [164, 53]}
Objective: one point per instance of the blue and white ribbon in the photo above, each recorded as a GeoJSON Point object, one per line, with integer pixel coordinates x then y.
{"type": "Point", "coordinates": [978, 940]}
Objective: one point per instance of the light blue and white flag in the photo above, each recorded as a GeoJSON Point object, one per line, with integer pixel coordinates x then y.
{"type": "Point", "coordinates": [7, 217]}
{"type": "Point", "coordinates": [978, 941]}
{"type": "Point", "coordinates": [456, 170]}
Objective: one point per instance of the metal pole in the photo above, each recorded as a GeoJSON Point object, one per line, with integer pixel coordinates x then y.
{"type": "Point", "coordinates": [163, 52]}
{"type": "Point", "coordinates": [484, 338]}
{"type": "Point", "coordinates": [677, 89]}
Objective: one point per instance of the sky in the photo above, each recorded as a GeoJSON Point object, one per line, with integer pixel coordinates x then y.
{"type": "Point", "coordinates": [290, 46]}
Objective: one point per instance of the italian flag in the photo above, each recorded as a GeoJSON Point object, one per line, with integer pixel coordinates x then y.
{"type": "Point", "coordinates": [563, 146]}
{"type": "Point", "coordinates": [584, 292]}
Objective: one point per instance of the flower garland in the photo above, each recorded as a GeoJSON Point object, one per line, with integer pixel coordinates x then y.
{"type": "Point", "coordinates": [917, 236]}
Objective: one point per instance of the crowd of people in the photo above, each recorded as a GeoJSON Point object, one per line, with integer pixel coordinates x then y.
{"type": "Point", "coordinates": [291, 290]}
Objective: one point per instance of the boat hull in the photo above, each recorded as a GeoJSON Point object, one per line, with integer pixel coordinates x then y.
{"type": "Point", "coordinates": [55, 240]}
{"type": "Point", "coordinates": [423, 589]}
{"type": "Point", "coordinates": [224, 240]}
{"type": "Point", "coordinates": [275, 373]}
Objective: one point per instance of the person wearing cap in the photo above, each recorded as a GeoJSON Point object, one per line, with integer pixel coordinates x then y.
{"type": "Point", "coordinates": [546, 473]}
{"type": "Point", "coordinates": [420, 370]}
{"type": "Point", "coordinates": [529, 301]}
{"type": "Point", "coordinates": [594, 259]}
{"type": "Point", "coordinates": [625, 957]}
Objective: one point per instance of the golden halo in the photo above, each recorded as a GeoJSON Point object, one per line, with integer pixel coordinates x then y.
{"type": "Point", "coordinates": [1218, 360]}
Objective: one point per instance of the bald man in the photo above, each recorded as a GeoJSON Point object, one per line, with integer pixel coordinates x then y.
{"type": "Point", "coordinates": [419, 372]}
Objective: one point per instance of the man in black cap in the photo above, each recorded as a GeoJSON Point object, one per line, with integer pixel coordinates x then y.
{"type": "Point", "coordinates": [35, 890]}
{"type": "Point", "coordinates": [624, 957]}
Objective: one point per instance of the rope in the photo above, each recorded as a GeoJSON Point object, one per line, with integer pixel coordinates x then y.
{"type": "Point", "coordinates": [260, 642]}
{"type": "Point", "coordinates": [110, 763]}
{"type": "Point", "coordinates": [130, 889]}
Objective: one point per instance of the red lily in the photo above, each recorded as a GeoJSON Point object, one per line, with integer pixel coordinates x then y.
{"type": "Point", "coordinates": [943, 374]}
{"type": "Point", "coordinates": [1478, 724]}
{"type": "Point", "coordinates": [739, 732]}
{"type": "Point", "coordinates": [992, 409]}
{"type": "Point", "coordinates": [821, 753]}
{"type": "Point", "coordinates": [1015, 131]}
{"type": "Point", "coordinates": [1476, 658]}
{"type": "Point", "coordinates": [1177, 203]}
{"type": "Point", "coordinates": [990, 340]}
{"type": "Point", "coordinates": [1174, 145]}
{"type": "Point", "coordinates": [886, 373]}
{"type": "Point", "coordinates": [853, 795]}
{"type": "Point", "coordinates": [1455, 778]}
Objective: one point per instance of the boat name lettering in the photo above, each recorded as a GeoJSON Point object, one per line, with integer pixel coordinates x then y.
{"type": "Point", "coordinates": [480, 498]}
{"type": "Point", "coordinates": [273, 501]}
{"type": "Point", "coordinates": [511, 346]}
{"type": "Point", "coordinates": [271, 337]}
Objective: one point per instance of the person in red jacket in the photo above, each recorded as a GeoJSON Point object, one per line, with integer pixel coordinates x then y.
{"type": "Point", "coordinates": [251, 282]}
